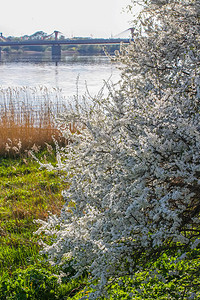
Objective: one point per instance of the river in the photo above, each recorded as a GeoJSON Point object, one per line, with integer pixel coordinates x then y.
{"type": "Point", "coordinates": [31, 70]}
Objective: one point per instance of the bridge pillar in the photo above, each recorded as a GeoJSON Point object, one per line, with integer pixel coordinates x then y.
{"type": "Point", "coordinates": [56, 52]}
{"type": "Point", "coordinates": [0, 53]}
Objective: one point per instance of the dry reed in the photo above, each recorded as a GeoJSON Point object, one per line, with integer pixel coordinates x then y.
{"type": "Point", "coordinates": [27, 117]}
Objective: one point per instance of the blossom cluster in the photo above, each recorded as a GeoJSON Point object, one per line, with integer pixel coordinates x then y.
{"type": "Point", "coordinates": [133, 165]}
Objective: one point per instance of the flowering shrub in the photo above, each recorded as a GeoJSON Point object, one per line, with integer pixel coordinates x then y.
{"type": "Point", "coordinates": [134, 165]}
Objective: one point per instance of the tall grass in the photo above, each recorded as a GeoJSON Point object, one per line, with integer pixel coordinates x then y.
{"type": "Point", "coordinates": [27, 117]}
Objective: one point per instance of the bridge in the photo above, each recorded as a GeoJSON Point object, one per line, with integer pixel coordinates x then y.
{"type": "Point", "coordinates": [57, 43]}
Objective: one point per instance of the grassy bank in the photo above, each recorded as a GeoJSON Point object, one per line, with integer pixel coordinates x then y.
{"type": "Point", "coordinates": [28, 193]}
{"type": "Point", "coordinates": [27, 121]}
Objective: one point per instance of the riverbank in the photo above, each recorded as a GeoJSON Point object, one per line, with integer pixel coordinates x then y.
{"type": "Point", "coordinates": [9, 52]}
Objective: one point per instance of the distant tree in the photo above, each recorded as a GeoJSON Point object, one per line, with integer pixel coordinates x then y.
{"type": "Point", "coordinates": [38, 48]}
{"type": "Point", "coordinates": [62, 37]}
{"type": "Point", "coordinates": [38, 35]}
{"type": "Point", "coordinates": [133, 166]}
{"type": "Point", "coordinates": [90, 49]}
{"type": "Point", "coordinates": [25, 37]}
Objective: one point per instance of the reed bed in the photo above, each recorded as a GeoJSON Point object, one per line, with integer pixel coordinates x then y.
{"type": "Point", "coordinates": [27, 118]}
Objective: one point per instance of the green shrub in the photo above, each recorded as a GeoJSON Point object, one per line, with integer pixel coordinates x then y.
{"type": "Point", "coordinates": [32, 283]}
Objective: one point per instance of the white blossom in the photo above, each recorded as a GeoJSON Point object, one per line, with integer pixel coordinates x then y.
{"type": "Point", "coordinates": [134, 165]}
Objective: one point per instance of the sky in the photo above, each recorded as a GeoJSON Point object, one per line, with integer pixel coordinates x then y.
{"type": "Point", "coordinates": [95, 18]}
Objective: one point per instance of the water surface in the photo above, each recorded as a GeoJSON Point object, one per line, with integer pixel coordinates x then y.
{"type": "Point", "coordinates": [34, 71]}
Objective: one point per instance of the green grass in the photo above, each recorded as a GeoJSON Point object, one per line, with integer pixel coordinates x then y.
{"type": "Point", "coordinates": [28, 193]}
